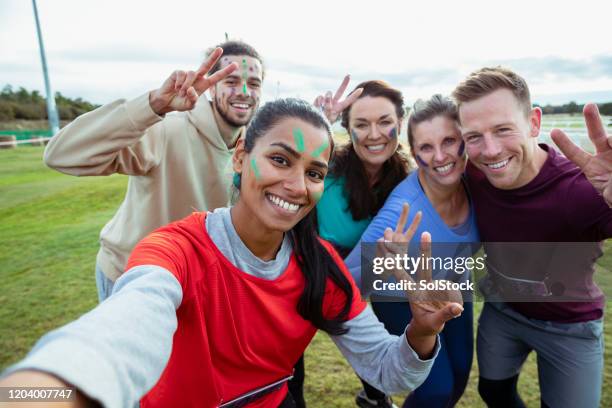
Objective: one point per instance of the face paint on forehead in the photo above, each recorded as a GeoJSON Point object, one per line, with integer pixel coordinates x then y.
{"type": "Point", "coordinates": [393, 133]}
{"type": "Point", "coordinates": [225, 61]}
{"type": "Point", "coordinates": [245, 75]}
{"type": "Point", "coordinates": [317, 152]}
{"type": "Point", "coordinates": [461, 149]}
{"type": "Point", "coordinates": [255, 169]}
{"type": "Point", "coordinates": [421, 161]}
{"type": "Point", "coordinates": [298, 136]}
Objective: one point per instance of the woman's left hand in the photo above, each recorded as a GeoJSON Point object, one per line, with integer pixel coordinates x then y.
{"type": "Point", "coordinates": [332, 107]}
{"type": "Point", "coordinates": [431, 309]}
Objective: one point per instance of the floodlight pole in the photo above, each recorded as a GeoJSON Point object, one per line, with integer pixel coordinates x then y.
{"type": "Point", "coordinates": [51, 108]}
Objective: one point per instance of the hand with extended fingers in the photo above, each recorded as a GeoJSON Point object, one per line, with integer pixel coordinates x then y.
{"type": "Point", "coordinates": [431, 309]}
{"type": "Point", "coordinates": [181, 90]}
{"type": "Point", "coordinates": [596, 167]}
{"type": "Point", "coordinates": [332, 107]}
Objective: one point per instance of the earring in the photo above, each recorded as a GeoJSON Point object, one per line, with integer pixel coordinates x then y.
{"type": "Point", "coordinates": [236, 180]}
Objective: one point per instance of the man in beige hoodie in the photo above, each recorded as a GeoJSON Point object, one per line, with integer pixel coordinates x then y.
{"type": "Point", "coordinates": [174, 144]}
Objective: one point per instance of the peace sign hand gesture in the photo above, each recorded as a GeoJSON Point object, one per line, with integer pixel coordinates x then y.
{"type": "Point", "coordinates": [598, 167]}
{"type": "Point", "coordinates": [332, 107]}
{"type": "Point", "coordinates": [430, 309]}
{"type": "Point", "coordinates": [181, 90]}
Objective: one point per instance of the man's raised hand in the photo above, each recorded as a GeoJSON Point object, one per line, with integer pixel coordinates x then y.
{"type": "Point", "coordinates": [181, 90]}
{"type": "Point", "coordinates": [596, 167]}
{"type": "Point", "coordinates": [331, 106]}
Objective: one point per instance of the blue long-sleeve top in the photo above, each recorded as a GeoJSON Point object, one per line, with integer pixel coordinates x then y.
{"type": "Point", "coordinates": [462, 240]}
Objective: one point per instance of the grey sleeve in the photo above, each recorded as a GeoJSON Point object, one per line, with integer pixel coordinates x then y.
{"type": "Point", "coordinates": [385, 361]}
{"type": "Point", "coordinates": [116, 352]}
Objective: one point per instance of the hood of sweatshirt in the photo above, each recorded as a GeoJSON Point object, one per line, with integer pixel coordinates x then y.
{"type": "Point", "coordinates": [202, 117]}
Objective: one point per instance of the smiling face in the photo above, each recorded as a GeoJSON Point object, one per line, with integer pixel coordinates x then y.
{"type": "Point", "coordinates": [282, 176]}
{"type": "Point", "coordinates": [374, 128]}
{"type": "Point", "coordinates": [501, 138]}
{"type": "Point", "coordinates": [236, 97]}
{"type": "Point", "coordinates": [439, 150]}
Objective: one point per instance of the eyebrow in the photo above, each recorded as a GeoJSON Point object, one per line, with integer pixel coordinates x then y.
{"type": "Point", "coordinates": [385, 116]}
{"type": "Point", "coordinates": [295, 154]}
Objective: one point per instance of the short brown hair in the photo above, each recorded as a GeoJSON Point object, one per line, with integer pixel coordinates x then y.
{"type": "Point", "coordinates": [489, 79]}
{"type": "Point", "coordinates": [425, 110]}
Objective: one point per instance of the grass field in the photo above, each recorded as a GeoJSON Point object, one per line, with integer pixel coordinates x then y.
{"type": "Point", "coordinates": [49, 225]}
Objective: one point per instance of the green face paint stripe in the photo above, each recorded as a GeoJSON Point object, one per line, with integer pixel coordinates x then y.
{"type": "Point", "coordinates": [244, 75]}
{"type": "Point", "coordinates": [255, 169]}
{"type": "Point", "coordinates": [320, 149]}
{"type": "Point", "coordinates": [317, 195]}
{"type": "Point", "coordinates": [298, 135]}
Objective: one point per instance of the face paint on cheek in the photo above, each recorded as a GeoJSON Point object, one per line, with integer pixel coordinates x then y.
{"type": "Point", "coordinates": [316, 196]}
{"type": "Point", "coordinates": [421, 161]}
{"type": "Point", "coordinates": [298, 136]}
{"type": "Point", "coordinates": [393, 133]}
{"type": "Point", "coordinates": [354, 136]}
{"type": "Point", "coordinates": [461, 149]}
{"type": "Point", "coordinates": [255, 169]}
{"type": "Point", "coordinates": [255, 97]}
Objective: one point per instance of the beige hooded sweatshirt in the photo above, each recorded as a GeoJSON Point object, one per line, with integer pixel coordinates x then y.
{"type": "Point", "coordinates": [177, 164]}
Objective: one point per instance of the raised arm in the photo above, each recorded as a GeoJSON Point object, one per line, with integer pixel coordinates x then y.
{"type": "Point", "coordinates": [596, 167]}
{"type": "Point", "coordinates": [115, 353]}
{"type": "Point", "coordinates": [126, 136]}
{"type": "Point", "coordinates": [332, 106]}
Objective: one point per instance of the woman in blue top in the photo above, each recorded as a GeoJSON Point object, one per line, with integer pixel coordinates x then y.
{"type": "Point", "coordinates": [362, 174]}
{"type": "Point", "coordinates": [438, 191]}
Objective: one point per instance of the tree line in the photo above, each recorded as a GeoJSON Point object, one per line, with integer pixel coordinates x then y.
{"type": "Point", "coordinates": [22, 104]}
{"type": "Point", "coordinates": [573, 107]}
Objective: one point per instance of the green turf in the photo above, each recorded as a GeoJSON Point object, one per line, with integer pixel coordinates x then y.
{"type": "Point", "coordinates": [49, 225]}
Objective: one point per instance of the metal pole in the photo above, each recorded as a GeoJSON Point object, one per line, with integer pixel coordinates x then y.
{"type": "Point", "coordinates": [51, 108]}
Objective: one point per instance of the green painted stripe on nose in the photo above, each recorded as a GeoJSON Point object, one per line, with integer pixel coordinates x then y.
{"type": "Point", "coordinates": [298, 135]}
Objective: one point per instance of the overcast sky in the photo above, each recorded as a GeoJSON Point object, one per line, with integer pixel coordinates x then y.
{"type": "Point", "coordinates": [104, 50]}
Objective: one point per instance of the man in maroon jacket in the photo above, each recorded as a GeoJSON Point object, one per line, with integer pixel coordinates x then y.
{"type": "Point", "coordinates": [525, 192]}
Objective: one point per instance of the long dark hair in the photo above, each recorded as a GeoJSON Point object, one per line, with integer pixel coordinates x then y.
{"type": "Point", "coordinates": [366, 202]}
{"type": "Point", "coordinates": [315, 261]}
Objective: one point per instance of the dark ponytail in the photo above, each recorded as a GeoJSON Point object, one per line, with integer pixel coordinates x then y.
{"type": "Point", "coordinates": [315, 261]}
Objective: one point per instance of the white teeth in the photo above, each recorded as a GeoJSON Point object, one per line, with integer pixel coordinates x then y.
{"type": "Point", "coordinates": [283, 204]}
{"type": "Point", "coordinates": [444, 169]}
{"type": "Point", "coordinates": [376, 148]}
{"type": "Point", "coordinates": [240, 105]}
{"type": "Point", "coordinates": [499, 165]}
